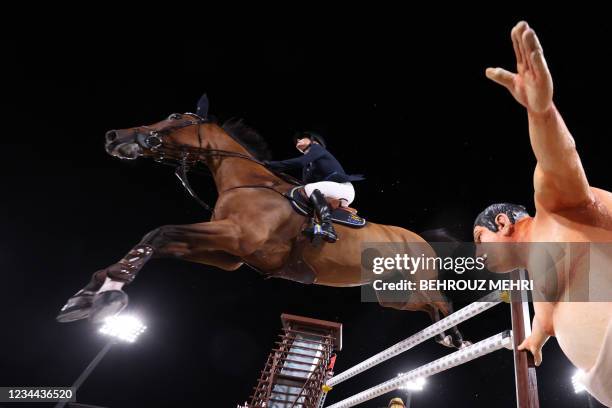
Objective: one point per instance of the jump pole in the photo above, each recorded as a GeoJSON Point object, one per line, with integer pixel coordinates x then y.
{"type": "Point", "coordinates": [524, 369]}
{"type": "Point", "coordinates": [486, 346]}
{"type": "Point", "coordinates": [440, 326]}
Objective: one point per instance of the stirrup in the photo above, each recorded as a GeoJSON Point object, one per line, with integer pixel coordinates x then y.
{"type": "Point", "coordinates": [310, 227]}
{"type": "Point", "coordinates": [316, 232]}
{"type": "Point", "coordinates": [329, 236]}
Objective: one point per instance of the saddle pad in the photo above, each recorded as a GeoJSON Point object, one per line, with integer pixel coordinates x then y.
{"type": "Point", "coordinates": [302, 206]}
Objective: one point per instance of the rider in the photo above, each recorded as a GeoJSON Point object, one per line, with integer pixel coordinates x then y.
{"type": "Point", "coordinates": [323, 176]}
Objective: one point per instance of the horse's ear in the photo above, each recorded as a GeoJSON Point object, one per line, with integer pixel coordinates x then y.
{"type": "Point", "coordinates": [202, 109]}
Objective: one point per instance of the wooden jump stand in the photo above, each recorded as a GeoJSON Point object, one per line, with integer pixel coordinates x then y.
{"type": "Point", "coordinates": [299, 365]}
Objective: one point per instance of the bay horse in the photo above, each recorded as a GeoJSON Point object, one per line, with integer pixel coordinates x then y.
{"type": "Point", "coordinates": [252, 222]}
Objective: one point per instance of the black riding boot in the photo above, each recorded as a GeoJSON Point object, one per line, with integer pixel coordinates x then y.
{"type": "Point", "coordinates": [323, 212]}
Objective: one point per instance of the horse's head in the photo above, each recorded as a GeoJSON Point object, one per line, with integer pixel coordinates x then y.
{"type": "Point", "coordinates": [145, 141]}
{"type": "Point", "coordinates": [178, 129]}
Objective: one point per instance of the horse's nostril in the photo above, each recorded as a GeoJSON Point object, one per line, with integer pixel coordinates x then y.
{"type": "Point", "coordinates": [111, 136]}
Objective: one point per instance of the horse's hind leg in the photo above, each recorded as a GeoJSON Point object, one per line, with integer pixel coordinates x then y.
{"type": "Point", "coordinates": [456, 335]}
{"type": "Point", "coordinates": [436, 310]}
{"type": "Point", "coordinates": [434, 313]}
{"type": "Point", "coordinates": [415, 301]}
{"type": "Point", "coordinates": [431, 309]}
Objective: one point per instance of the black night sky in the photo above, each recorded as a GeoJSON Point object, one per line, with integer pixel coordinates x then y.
{"type": "Point", "coordinates": [406, 104]}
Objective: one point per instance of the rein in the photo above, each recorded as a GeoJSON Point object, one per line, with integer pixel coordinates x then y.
{"type": "Point", "coordinates": [188, 156]}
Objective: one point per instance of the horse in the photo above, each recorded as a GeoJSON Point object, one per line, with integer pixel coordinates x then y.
{"type": "Point", "coordinates": [252, 223]}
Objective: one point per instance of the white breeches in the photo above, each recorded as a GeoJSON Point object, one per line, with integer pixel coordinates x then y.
{"type": "Point", "coordinates": [340, 191]}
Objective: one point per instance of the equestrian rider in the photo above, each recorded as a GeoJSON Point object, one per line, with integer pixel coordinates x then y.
{"type": "Point", "coordinates": [323, 176]}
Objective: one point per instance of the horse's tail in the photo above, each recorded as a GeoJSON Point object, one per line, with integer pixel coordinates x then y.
{"type": "Point", "coordinates": [442, 240]}
{"type": "Point", "coordinates": [439, 235]}
{"type": "Point", "coordinates": [445, 245]}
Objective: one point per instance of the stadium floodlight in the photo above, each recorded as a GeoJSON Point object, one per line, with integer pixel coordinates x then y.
{"type": "Point", "coordinates": [578, 387]}
{"type": "Point", "coordinates": [123, 327]}
{"type": "Point", "coordinates": [414, 385]}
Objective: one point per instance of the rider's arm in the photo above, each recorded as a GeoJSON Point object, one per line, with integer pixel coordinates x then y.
{"type": "Point", "coordinates": [314, 153]}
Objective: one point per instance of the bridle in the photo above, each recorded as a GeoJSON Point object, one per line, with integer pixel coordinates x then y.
{"type": "Point", "coordinates": [185, 157]}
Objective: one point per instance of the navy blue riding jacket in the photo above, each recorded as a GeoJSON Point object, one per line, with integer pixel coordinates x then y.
{"type": "Point", "coordinates": [317, 164]}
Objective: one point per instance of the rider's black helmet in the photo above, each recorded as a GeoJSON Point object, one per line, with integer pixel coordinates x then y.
{"type": "Point", "coordinates": [312, 135]}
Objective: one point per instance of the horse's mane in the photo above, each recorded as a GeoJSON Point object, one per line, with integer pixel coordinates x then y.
{"type": "Point", "coordinates": [248, 138]}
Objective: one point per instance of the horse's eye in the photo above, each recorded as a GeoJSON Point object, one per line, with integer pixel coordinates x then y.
{"type": "Point", "coordinates": [174, 116]}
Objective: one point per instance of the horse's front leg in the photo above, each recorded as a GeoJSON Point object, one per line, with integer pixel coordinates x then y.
{"type": "Point", "coordinates": [216, 243]}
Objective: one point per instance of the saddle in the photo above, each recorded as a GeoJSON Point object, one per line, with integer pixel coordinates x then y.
{"type": "Point", "coordinates": [340, 215]}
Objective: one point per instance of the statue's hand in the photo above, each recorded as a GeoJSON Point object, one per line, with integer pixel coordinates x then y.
{"type": "Point", "coordinates": [534, 348]}
{"type": "Point", "coordinates": [532, 84]}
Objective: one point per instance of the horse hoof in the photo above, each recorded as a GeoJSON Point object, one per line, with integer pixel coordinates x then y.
{"type": "Point", "coordinates": [464, 344]}
{"type": "Point", "coordinates": [106, 304]}
{"type": "Point", "coordinates": [77, 308]}
{"type": "Point", "coordinates": [447, 341]}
